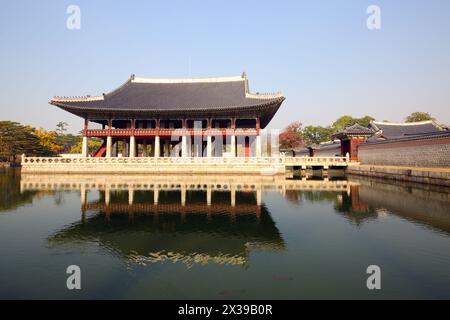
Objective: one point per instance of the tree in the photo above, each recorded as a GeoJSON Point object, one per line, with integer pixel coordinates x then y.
{"type": "Point", "coordinates": [342, 122]}
{"type": "Point", "coordinates": [66, 141]}
{"type": "Point", "coordinates": [419, 116]}
{"type": "Point", "coordinates": [16, 139]}
{"type": "Point", "coordinates": [61, 127]}
{"type": "Point", "coordinates": [93, 145]}
{"type": "Point", "coordinates": [365, 121]}
{"type": "Point", "coordinates": [316, 134]}
{"type": "Point", "coordinates": [345, 121]}
{"type": "Point", "coordinates": [291, 137]}
{"type": "Point", "coordinates": [48, 140]}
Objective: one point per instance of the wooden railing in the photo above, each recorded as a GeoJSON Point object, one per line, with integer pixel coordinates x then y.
{"type": "Point", "coordinates": [101, 133]}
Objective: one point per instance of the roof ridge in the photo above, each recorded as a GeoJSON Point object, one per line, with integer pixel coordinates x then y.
{"type": "Point", "coordinates": [188, 80]}
{"type": "Point", "coordinates": [77, 98]}
{"type": "Point", "coordinates": [404, 123]}
{"type": "Point", "coordinates": [274, 95]}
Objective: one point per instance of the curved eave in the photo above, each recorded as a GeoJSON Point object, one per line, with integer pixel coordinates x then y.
{"type": "Point", "coordinates": [267, 110]}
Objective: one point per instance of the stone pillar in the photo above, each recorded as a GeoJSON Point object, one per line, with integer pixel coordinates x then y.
{"type": "Point", "coordinates": [156, 195]}
{"type": "Point", "coordinates": [157, 148]}
{"type": "Point", "coordinates": [233, 195]}
{"type": "Point", "coordinates": [130, 196]}
{"type": "Point", "coordinates": [208, 194]}
{"type": "Point", "coordinates": [107, 196]}
{"type": "Point", "coordinates": [184, 146]}
{"type": "Point", "coordinates": [156, 144]}
{"type": "Point", "coordinates": [109, 147]}
{"type": "Point", "coordinates": [132, 152]}
{"type": "Point", "coordinates": [233, 138]}
{"type": "Point", "coordinates": [183, 195]}
{"type": "Point", "coordinates": [83, 195]}
{"type": "Point", "coordinates": [258, 149]}
{"type": "Point", "coordinates": [233, 146]}
{"type": "Point", "coordinates": [258, 146]}
{"type": "Point", "coordinates": [84, 148]}
{"type": "Point", "coordinates": [209, 140]}
{"type": "Point", "coordinates": [258, 196]}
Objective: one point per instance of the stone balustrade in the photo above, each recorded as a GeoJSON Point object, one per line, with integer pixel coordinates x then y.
{"type": "Point", "coordinates": [230, 165]}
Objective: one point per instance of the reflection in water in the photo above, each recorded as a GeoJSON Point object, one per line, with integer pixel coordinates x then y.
{"type": "Point", "coordinates": [10, 195]}
{"type": "Point", "coordinates": [219, 219]}
{"type": "Point", "coordinates": [194, 233]}
{"type": "Point", "coordinates": [425, 205]}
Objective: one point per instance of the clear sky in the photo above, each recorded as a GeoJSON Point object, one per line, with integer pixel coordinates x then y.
{"type": "Point", "coordinates": [320, 54]}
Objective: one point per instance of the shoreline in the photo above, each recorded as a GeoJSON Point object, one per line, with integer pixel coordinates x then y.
{"type": "Point", "coordinates": [431, 176]}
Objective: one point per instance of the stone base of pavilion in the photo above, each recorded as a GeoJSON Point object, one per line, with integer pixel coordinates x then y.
{"type": "Point", "coordinates": [263, 166]}
{"type": "Point", "coordinates": [176, 165]}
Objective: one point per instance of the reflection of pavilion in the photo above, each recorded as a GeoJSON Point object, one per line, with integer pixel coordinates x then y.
{"type": "Point", "coordinates": [174, 236]}
{"type": "Point", "coordinates": [159, 218]}
{"type": "Point", "coordinates": [182, 183]}
{"type": "Point", "coordinates": [192, 218]}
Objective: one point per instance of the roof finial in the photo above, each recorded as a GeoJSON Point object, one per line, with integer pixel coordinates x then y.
{"type": "Point", "coordinates": [244, 75]}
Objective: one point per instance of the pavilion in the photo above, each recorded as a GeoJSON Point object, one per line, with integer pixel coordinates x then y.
{"type": "Point", "coordinates": [190, 117]}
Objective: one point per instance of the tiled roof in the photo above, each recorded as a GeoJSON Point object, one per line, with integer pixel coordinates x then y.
{"type": "Point", "coordinates": [357, 129]}
{"type": "Point", "coordinates": [388, 130]}
{"type": "Point", "coordinates": [376, 139]}
{"type": "Point", "coordinates": [354, 130]}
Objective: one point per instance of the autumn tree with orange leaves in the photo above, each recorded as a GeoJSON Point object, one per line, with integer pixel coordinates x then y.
{"type": "Point", "coordinates": [291, 136]}
{"type": "Point", "coordinates": [48, 140]}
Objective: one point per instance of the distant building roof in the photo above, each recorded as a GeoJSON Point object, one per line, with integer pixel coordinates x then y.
{"type": "Point", "coordinates": [328, 145]}
{"type": "Point", "coordinates": [354, 130]}
{"type": "Point", "coordinates": [389, 130]}
{"type": "Point", "coordinates": [184, 96]}
{"type": "Point", "coordinates": [376, 139]}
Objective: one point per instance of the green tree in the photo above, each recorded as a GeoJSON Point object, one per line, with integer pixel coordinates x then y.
{"type": "Point", "coordinates": [11, 197]}
{"type": "Point", "coordinates": [66, 140]}
{"type": "Point", "coordinates": [316, 134]}
{"type": "Point", "coordinates": [365, 121]}
{"type": "Point", "coordinates": [345, 121]}
{"type": "Point", "coordinates": [419, 116]}
{"type": "Point", "coordinates": [342, 122]}
{"type": "Point", "coordinates": [16, 139]}
{"type": "Point", "coordinates": [93, 145]}
{"type": "Point", "coordinates": [61, 128]}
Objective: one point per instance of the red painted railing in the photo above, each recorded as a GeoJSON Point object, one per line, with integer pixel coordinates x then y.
{"type": "Point", "coordinates": [101, 133]}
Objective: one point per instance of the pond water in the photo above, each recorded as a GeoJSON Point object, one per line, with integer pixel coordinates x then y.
{"type": "Point", "coordinates": [221, 237]}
